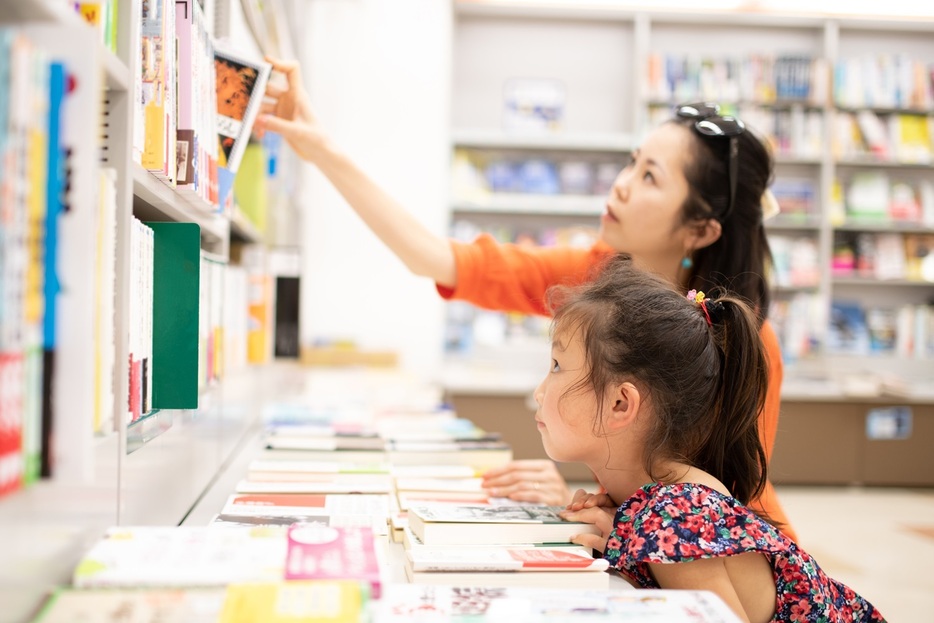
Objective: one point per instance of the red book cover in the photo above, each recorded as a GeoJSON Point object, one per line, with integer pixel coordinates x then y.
{"type": "Point", "coordinates": [317, 552]}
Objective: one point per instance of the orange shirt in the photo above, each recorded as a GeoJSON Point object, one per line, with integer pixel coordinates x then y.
{"type": "Point", "coordinates": [514, 278]}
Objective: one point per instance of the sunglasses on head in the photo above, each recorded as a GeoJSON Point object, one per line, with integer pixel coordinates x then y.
{"type": "Point", "coordinates": [709, 122]}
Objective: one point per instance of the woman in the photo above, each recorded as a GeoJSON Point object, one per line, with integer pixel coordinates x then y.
{"type": "Point", "coordinates": [689, 207]}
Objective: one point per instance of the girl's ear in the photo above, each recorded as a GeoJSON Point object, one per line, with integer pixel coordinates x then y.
{"type": "Point", "coordinates": [626, 402]}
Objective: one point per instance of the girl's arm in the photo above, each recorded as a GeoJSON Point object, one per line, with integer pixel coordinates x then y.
{"type": "Point", "coordinates": [287, 111]}
{"type": "Point", "coordinates": [705, 574]}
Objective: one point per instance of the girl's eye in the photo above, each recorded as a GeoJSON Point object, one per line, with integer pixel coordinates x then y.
{"type": "Point", "coordinates": [554, 366]}
{"type": "Point", "coordinates": [649, 177]}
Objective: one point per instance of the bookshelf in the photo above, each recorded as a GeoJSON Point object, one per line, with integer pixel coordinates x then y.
{"type": "Point", "coordinates": [615, 68]}
{"type": "Point", "coordinates": [111, 471]}
{"type": "Point", "coordinates": [607, 60]}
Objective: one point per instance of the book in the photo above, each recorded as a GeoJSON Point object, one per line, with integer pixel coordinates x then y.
{"type": "Point", "coordinates": [570, 566]}
{"type": "Point", "coordinates": [402, 603]}
{"type": "Point", "coordinates": [295, 602]}
{"type": "Point", "coordinates": [337, 483]}
{"type": "Point", "coordinates": [240, 87]}
{"type": "Point", "coordinates": [328, 509]}
{"type": "Point", "coordinates": [182, 556]}
{"type": "Point", "coordinates": [113, 605]}
{"type": "Point", "coordinates": [317, 552]}
{"type": "Point", "coordinates": [453, 524]}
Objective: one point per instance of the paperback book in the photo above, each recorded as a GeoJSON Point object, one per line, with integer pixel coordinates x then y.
{"type": "Point", "coordinates": [327, 509]}
{"type": "Point", "coordinates": [114, 605]}
{"type": "Point", "coordinates": [450, 524]}
{"type": "Point", "coordinates": [403, 603]}
{"type": "Point", "coordinates": [317, 552]}
{"type": "Point", "coordinates": [182, 556]}
{"type": "Point", "coordinates": [571, 566]}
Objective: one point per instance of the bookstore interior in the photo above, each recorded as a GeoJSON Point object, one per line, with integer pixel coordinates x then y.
{"type": "Point", "coordinates": [210, 410]}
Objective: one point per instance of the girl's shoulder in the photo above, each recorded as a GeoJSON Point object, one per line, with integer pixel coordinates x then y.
{"type": "Point", "coordinates": [688, 520]}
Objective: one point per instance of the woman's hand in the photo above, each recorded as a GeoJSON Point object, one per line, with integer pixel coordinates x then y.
{"type": "Point", "coordinates": [583, 508]}
{"type": "Point", "coordinates": [530, 480]}
{"type": "Point", "coordinates": [287, 111]}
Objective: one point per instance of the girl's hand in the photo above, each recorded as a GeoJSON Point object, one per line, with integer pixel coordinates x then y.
{"type": "Point", "coordinates": [600, 516]}
{"type": "Point", "coordinates": [530, 480]}
{"type": "Point", "coordinates": [582, 499]}
{"type": "Point", "coordinates": [287, 111]}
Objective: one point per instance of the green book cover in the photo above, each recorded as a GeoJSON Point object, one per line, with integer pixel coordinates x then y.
{"type": "Point", "coordinates": [176, 282]}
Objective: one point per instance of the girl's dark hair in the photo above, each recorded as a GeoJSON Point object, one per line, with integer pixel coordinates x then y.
{"type": "Point", "coordinates": [705, 383]}
{"type": "Point", "coordinates": [739, 259]}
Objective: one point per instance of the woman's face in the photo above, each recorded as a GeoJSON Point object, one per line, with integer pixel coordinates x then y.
{"type": "Point", "coordinates": [643, 210]}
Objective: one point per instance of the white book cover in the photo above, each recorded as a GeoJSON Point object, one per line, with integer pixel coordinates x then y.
{"type": "Point", "coordinates": [182, 556]}
{"type": "Point", "coordinates": [402, 603]}
{"type": "Point", "coordinates": [532, 559]}
{"type": "Point", "coordinates": [339, 483]}
{"type": "Point", "coordinates": [110, 605]}
{"type": "Point", "coordinates": [451, 524]}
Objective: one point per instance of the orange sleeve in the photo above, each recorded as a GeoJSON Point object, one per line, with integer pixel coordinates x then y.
{"type": "Point", "coordinates": [510, 277]}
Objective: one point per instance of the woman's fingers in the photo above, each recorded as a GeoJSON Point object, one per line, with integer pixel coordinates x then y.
{"type": "Point", "coordinates": [289, 68]}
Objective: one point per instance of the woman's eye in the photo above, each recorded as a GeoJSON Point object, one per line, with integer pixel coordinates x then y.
{"type": "Point", "coordinates": [648, 177]}
{"type": "Point", "coordinates": [554, 365]}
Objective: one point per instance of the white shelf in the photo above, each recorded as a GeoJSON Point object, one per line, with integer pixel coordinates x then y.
{"type": "Point", "coordinates": [886, 226]}
{"type": "Point", "coordinates": [491, 139]}
{"type": "Point", "coordinates": [780, 223]}
{"type": "Point", "coordinates": [555, 205]}
{"type": "Point", "coordinates": [876, 163]}
{"type": "Point", "coordinates": [870, 282]}
{"type": "Point", "coordinates": [59, 13]}
{"type": "Point", "coordinates": [176, 206]}
{"type": "Point", "coordinates": [242, 228]}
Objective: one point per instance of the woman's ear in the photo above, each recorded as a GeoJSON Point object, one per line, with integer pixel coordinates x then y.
{"type": "Point", "coordinates": [706, 232]}
{"type": "Point", "coordinates": [626, 402]}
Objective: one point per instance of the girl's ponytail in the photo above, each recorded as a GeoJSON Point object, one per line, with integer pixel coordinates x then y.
{"type": "Point", "coordinates": [733, 450]}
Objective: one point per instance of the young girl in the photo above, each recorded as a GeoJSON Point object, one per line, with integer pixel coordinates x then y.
{"type": "Point", "coordinates": [658, 394]}
{"type": "Point", "coordinates": [689, 207]}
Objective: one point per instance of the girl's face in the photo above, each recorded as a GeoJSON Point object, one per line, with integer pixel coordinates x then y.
{"type": "Point", "coordinates": [643, 210]}
{"type": "Point", "coordinates": [565, 414]}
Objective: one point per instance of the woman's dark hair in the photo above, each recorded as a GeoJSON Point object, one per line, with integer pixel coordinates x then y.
{"type": "Point", "coordinates": [705, 383]}
{"type": "Point", "coordinates": [739, 259]}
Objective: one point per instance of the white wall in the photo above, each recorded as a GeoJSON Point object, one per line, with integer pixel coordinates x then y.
{"type": "Point", "coordinates": [379, 76]}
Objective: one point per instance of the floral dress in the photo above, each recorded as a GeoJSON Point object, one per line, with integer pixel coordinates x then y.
{"type": "Point", "coordinates": [686, 521]}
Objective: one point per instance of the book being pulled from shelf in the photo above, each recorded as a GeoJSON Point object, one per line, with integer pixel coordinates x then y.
{"type": "Point", "coordinates": [571, 566]}
{"type": "Point", "coordinates": [452, 524]}
{"type": "Point", "coordinates": [402, 603]}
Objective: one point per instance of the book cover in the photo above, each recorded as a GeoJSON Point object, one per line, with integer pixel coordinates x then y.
{"type": "Point", "coordinates": [402, 603]}
{"type": "Point", "coordinates": [182, 556]}
{"type": "Point", "coordinates": [451, 524]}
{"type": "Point", "coordinates": [111, 605]}
{"type": "Point", "coordinates": [323, 483]}
{"type": "Point", "coordinates": [531, 559]}
{"type": "Point", "coordinates": [331, 509]}
{"type": "Point", "coordinates": [295, 602]}
{"type": "Point", "coordinates": [317, 552]}
{"type": "Point", "coordinates": [240, 87]}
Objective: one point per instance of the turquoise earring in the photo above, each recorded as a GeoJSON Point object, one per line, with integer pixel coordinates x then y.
{"type": "Point", "coordinates": [687, 263]}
